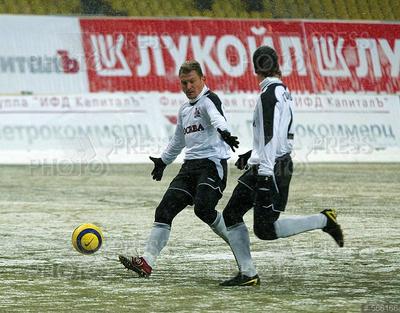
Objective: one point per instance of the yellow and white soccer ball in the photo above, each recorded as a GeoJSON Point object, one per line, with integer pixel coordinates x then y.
{"type": "Point", "coordinates": [87, 238]}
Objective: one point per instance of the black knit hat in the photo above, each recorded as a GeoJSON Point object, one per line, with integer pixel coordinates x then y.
{"type": "Point", "coordinates": [265, 61]}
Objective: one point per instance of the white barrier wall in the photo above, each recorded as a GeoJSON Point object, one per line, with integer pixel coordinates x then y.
{"type": "Point", "coordinates": [334, 128]}
{"type": "Point", "coordinates": [41, 55]}
{"type": "Point", "coordinates": [122, 127]}
{"type": "Point", "coordinates": [81, 128]}
{"type": "Point", "coordinates": [347, 128]}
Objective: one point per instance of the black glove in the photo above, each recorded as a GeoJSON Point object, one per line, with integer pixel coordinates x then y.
{"type": "Point", "coordinates": [159, 167]}
{"type": "Point", "coordinates": [232, 141]}
{"type": "Point", "coordinates": [242, 161]}
{"type": "Point", "coordinates": [254, 169]}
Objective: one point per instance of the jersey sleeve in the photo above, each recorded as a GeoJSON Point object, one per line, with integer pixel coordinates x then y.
{"type": "Point", "coordinates": [213, 107]}
{"type": "Point", "coordinates": [175, 145]}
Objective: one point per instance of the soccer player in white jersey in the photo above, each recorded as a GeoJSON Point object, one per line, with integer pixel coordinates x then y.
{"type": "Point", "coordinates": [201, 129]}
{"type": "Point", "coordinates": [265, 184]}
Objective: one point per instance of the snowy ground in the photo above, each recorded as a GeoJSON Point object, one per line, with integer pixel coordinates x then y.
{"type": "Point", "coordinates": [40, 271]}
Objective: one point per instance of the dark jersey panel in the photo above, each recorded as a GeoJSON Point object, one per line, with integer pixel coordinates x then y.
{"type": "Point", "coordinates": [268, 101]}
{"type": "Point", "coordinates": [217, 102]}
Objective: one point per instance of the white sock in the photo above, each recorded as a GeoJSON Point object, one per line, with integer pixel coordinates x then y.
{"type": "Point", "coordinates": [218, 227]}
{"type": "Point", "coordinates": [239, 240]}
{"type": "Point", "coordinates": [290, 226]}
{"type": "Point", "coordinates": [157, 240]}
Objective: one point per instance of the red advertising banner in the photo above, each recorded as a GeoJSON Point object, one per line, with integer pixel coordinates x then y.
{"type": "Point", "coordinates": [354, 56]}
{"type": "Point", "coordinates": [315, 57]}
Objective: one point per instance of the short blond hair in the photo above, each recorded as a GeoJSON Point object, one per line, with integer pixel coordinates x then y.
{"type": "Point", "coordinates": [191, 65]}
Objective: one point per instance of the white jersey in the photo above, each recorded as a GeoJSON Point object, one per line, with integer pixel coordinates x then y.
{"type": "Point", "coordinates": [196, 129]}
{"type": "Point", "coordinates": [273, 129]}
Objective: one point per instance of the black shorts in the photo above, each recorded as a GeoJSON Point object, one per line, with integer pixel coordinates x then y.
{"type": "Point", "coordinates": [194, 173]}
{"type": "Point", "coordinates": [283, 170]}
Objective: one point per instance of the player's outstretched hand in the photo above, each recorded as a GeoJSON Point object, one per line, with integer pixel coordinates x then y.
{"type": "Point", "coordinates": [242, 161]}
{"type": "Point", "coordinates": [159, 167]}
{"type": "Point", "coordinates": [232, 141]}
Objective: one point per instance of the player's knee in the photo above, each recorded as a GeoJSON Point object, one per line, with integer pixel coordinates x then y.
{"type": "Point", "coordinates": [237, 206]}
{"type": "Point", "coordinates": [265, 231]}
{"type": "Point", "coordinates": [208, 216]}
{"type": "Point", "coordinates": [205, 212]}
{"type": "Point", "coordinates": [162, 215]}
{"type": "Point", "coordinates": [204, 204]}
{"type": "Point", "coordinates": [231, 217]}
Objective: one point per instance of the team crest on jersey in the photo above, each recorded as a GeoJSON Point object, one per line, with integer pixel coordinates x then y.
{"type": "Point", "coordinates": [287, 95]}
{"type": "Point", "coordinates": [193, 129]}
{"type": "Point", "coordinates": [196, 113]}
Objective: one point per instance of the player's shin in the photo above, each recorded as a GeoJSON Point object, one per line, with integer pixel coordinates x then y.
{"type": "Point", "coordinates": [218, 227]}
{"type": "Point", "coordinates": [157, 240]}
{"type": "Point", "coordinates": [290, 226]}
{"type": "Point", "coordinates": [239, 240]}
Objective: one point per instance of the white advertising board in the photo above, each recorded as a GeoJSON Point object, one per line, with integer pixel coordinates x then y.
{"type": "Point", "coordinates": [41, 54]}
{"type": "Point", "coordinates": [128, 127]}
{"type": "Point", "coordinates": [336, 128]}
{"type": "Point", "coordinates": [352, 128]}
{"type": "Point", "coordinates": [88, 128]}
